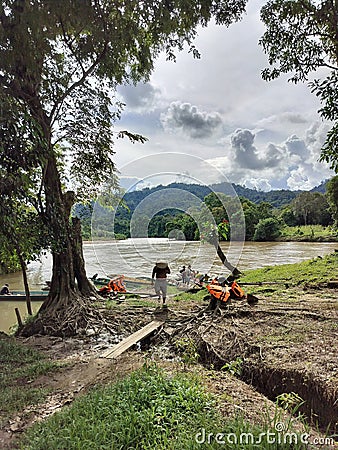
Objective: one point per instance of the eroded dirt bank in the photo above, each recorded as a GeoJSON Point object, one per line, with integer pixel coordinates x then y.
{"type": "Point", "coordinates": [284, 346]}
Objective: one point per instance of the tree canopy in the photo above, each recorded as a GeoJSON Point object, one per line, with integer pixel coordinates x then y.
{"type": "Point", "coordinates": [332, 197]}
{"type": "Point", "coordinates": [60, 64]}
{"type": "Point", "coordinates": [301, 37]}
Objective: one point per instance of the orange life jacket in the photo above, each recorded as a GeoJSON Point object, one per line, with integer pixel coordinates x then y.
{"type": "Point", "coordinates": [222, 293]}
{"type": "Point", "coordinates": [105, 290]}
{"type": "Point", "coordinates": [117, 285]}
{"type": "Point", "coordinates": [236, 291]}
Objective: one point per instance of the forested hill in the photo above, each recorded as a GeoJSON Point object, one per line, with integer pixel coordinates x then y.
{"type": "Point", "coordinates": [277, 198]}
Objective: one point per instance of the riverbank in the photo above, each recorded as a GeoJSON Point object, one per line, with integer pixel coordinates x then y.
{"type": "Point", "coordinates": [246, 357]}
{"type": "Point", "coordinates": [309, 233]}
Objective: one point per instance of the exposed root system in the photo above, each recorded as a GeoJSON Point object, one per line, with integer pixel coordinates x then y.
{"type": "Point", "coordinates": [79, 317]}
{"type": "Point", "coordinates": [279, 349]}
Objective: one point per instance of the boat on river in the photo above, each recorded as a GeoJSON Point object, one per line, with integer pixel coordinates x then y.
{"type": "Point", "coordinates": [134, 285]}
{"type": "Point", "coordinates": [20, 296]}
{"type": "Point", "coordinates": [130, 283]}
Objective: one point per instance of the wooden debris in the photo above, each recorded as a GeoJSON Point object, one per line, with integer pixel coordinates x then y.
{"type": "Point", "coordinates": [333, 284]}
{"type": "Point", "coordinates": [132, 339]}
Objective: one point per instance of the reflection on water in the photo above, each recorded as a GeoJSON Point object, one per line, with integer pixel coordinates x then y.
{"type": "Point", "coordinates": [136, 257]}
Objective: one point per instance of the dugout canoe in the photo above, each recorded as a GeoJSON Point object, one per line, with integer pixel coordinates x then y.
{"type": "Point", "coordinates": [20, 296]}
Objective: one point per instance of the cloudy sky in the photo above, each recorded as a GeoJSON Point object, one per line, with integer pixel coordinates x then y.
{"type": "Point", "coordinates": [215, 119]}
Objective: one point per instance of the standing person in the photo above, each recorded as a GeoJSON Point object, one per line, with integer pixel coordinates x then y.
{"type": "Point", "coordinates": [5, 290]}
{"type": "Point", "coordinates": [188, 274]}
{"type": "Point", "coordinates": [159, 274]}
{"type": "Point", "coordinates": [183, 274]}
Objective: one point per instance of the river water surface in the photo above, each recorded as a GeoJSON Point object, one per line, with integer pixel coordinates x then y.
{"type": "Point", "coordinates": [136, 257]}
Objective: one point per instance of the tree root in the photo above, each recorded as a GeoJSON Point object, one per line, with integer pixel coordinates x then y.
{"type": "Point", "coordinates": [75, 319]}
{"type": "Point", "coordinates": [218, 338]}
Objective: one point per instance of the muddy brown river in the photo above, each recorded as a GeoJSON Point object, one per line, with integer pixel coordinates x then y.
{"type": "Point", "coordinates": [136, 257]}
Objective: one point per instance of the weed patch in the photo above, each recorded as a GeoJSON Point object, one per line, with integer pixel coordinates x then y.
{"type": "Point", "coordinates": [20, 366]}
{"type": "Point", "coordinates": [148, 410]}
{"type": "Point", "coordinates": [311, 272]}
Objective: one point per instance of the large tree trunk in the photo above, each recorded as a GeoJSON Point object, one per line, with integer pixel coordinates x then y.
{"type": "Point", "coordinates": [69, 279]}
{"type": "Point", "coordinates": [62, 289]}
{"type": "Point", "coordinates": [67, 310]}
{"type": "Point", "coordinates": [84, 285]}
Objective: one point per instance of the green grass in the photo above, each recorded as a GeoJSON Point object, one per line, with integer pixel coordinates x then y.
{"type": "Point", "coordinates": [309, 233]}
{"type": "Point", "coordinates": [187, 296]}
{"type": "Point", "coordinates": [148, 410]}
{"type": "Point", "coordinates": [19, 366]}
{"type": "Point", "coordinates": [314, 271]}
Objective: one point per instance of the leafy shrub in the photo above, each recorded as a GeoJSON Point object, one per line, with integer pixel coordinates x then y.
{"type": "Point", "coordinates": [267, 230]}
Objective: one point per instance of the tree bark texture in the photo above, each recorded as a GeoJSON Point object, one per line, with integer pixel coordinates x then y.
{"type": "Point", "coordinates": [84, 285]}
{"type": "Point", "coordinates": [69, 278]}
{"type": "Point", "coordinates": [223, 258]}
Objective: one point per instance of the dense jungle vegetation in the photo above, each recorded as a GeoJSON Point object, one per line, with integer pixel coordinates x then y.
{"type": "Point", "coordinates": [280, 214]}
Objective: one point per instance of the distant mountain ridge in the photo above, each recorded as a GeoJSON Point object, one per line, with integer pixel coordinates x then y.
{"type": "Point", "coordinates": [277, 198]}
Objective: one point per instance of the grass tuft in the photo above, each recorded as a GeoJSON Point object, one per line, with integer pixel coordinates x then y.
{"type": "Point", "coordinates": [19, 366]}
{"type": "Point", "coordinates": [148, 410]}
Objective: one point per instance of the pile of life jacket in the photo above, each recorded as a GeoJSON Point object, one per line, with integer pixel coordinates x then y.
{"type": "Point", "coordinates": [114, 286]}
{"type": "Point", "coordinates": [223, 290]}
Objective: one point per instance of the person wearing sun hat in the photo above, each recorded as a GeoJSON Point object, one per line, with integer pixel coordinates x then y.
{"type": "Point", "coordinates": [159, 275]}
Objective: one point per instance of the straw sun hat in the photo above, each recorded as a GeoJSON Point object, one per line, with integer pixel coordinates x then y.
{"type": "Point", "coordinates": [161, 264]}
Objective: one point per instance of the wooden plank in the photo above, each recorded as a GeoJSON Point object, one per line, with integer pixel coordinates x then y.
{"type": "Point", "coordinates": [332, 284]}
{"type": "Point", "coordinates": [132, 340]}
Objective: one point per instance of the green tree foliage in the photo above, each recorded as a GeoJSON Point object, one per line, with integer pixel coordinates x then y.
{"type": "Point", "coordinates": [311, 208]}
{"type": "Point", "coordinates": [267, 229]}
{"type": "Point", "coordinates": [60, 63]}
{"type": "Point", "coordinates": [198, 222]}
{"type": "Point", "coordinates": [23, 237]}
{"type": "Point", "coordinates": [227, 209]}
{"type": "Point", "coordinates": [277, 198]}
{"type": "Point", "coordinates": [252, 215]}
{"type": "Point", "coordinates": [158, 225]}
{"type": "Point", "coordinates": [301, 37]}
{"type": "Point", "coordinates": [332, 197]}
{"type": "Point", "coordinates": [186, 224]}
{"type": "Point", "coordinates": [288, 216]}
{"type": "Point", "coordinates": [23, 232]}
